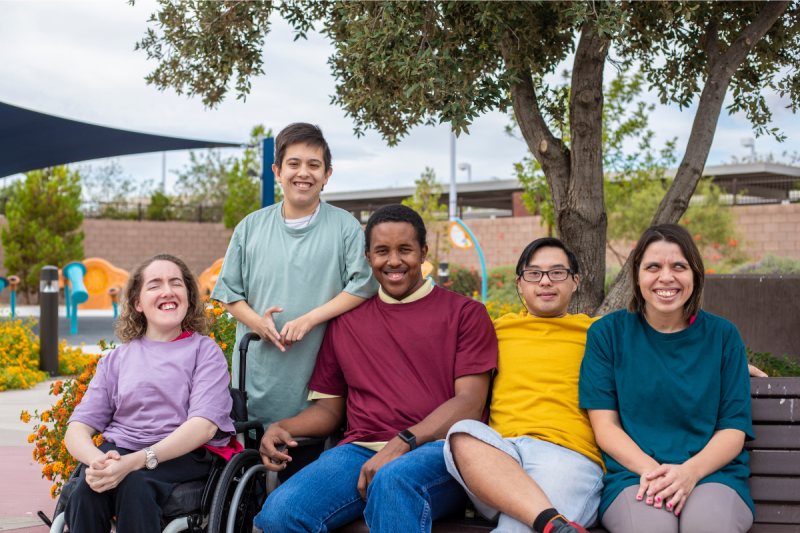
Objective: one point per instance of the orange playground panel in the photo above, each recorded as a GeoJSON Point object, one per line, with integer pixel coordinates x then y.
{"type": "Point", "coordinates": [101, 276]}
{"type": "Point", "coordinates": [209, 277]}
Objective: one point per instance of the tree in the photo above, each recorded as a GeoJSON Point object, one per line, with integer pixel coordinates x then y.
{"type": "Point", "coordinates": [426, 202]}
{"type": "Point", "coordinates": [244, 182]}
{"type": "Point", "coordinates": [44, 223]}
{"type": "Point", "coordinates": [231, 182]}
{"type": "Point", "coordinates": [709, 219]}
{"type": "Point", "coordinates": [401, 64]}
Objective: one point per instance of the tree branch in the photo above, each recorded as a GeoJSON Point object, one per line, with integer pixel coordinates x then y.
{"type": "Point", "coordinates": [721, 71]}
{"type": "Point", "coordinates": [545, 147]}
{"type": "Point", "coordinates": [712, 42]}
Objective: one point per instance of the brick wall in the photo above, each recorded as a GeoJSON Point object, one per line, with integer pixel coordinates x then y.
{"type": "Point", "coordinates": [770, 228]}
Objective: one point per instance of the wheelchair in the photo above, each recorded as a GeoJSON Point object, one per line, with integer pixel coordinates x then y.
{"type": "Point", "coordinates": [234, 492]}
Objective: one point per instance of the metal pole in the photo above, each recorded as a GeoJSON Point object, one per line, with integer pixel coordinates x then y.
{"type": "Point", "coordinates": [48, 320]}
{"type": "Point", "coordinates": [480, 256]}
{"type": "Point", "coordinates": [267, 176]}
{"type": "Point", "coordinates": [453, 199]}
{"type": "Point", "coordinates": [444, 272]}
{"type": "Point", "coordinates": [164, 172]}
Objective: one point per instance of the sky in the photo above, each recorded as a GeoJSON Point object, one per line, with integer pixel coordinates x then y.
{"type": "Point", "coordinates": [75, 59]}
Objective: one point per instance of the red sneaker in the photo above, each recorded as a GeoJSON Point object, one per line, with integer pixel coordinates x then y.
{"type": "Point", "coordinates": [560, 524]}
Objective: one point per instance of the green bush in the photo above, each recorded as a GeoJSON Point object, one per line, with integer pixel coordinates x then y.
{"type": "Point", "coordinates": [770, 264]}
{"type": "Point", "coordinates": [464, 281]}
{"type": "Point", "coordinates": [779, 367]}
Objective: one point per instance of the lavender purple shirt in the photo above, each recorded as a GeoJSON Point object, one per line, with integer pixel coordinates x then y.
{"type": "Point", "coordinates": [142, 391]}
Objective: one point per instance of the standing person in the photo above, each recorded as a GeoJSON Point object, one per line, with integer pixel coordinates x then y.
{"type": "Point", "coordinates": [160, 401]}
{"type": "Point", "coordinates": [667, 389]}
{"type": "Point", "coordinates": [290, 268]}
{"type": "Point", "coordinates": [407, 365]}
{"type": "Point", "coordinates": [536, 466]}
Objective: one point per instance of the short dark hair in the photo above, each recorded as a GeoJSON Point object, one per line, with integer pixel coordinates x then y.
{"type": "Point", "coordinates": [545, 242]}
{"type": "Point", "coordinates": [301, 132]}
{"type": "Point", "coordinates": [678, 235]}
{"type": "Point", "coordinates": [396, 213]}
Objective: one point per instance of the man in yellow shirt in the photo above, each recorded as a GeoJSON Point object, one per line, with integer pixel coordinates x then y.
{"type": "Point", "coordinates": [537, 464]}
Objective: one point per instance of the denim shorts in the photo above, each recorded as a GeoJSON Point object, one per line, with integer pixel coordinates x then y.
{"type": "Point", "coordinates": [572, 482]}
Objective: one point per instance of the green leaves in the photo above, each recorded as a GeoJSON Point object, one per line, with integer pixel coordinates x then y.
{"type": "Point", "coordinates": [44, 219]}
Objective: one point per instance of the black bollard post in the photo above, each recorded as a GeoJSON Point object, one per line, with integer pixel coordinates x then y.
{"type": "Point", "coordinates": [48, 320]}
{"type": "Point", "coordinates": [444, 273]}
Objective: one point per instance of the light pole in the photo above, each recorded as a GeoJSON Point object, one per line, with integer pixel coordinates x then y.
{"type": "Point", "coordinates": [453, 200]}
{"type": "Point", "coordinates": [750, 143]}
{"type": "Point", "coordinates": [468, 168]}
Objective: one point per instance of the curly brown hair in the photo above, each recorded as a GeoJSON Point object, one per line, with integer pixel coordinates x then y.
{"type": "Point", "coordinates": [132, 324]}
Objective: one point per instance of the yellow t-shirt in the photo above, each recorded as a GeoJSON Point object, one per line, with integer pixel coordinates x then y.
{"type": "Point", "coordinates": [535, 391]}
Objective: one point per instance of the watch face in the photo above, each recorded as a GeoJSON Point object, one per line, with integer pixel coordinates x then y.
{"type": "Point", "coordinates": [152, 463]}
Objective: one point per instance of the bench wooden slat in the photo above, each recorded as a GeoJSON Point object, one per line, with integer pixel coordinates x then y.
{"type": "Point", "coordinates": [779, 462]}
{"type": "Point", "coordinates": [774, 528]}
{"type": "Point", "coordinates": [776, 410]}
{"type": "Point", "coordinates": [776, 513]}
{"type": "Point", "coordinates": [775, 437]}
{"type": "Point", "coordinates": [775, 387]}
{"type": "Point", "coordinates": [775, 489]}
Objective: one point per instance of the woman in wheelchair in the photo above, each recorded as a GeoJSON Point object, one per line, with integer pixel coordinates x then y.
{"type": "Point", "coordinates": [160, 401]}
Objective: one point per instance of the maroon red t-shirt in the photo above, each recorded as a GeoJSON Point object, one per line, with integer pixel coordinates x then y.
{"type": "Point", "coordinates": [397, 363]}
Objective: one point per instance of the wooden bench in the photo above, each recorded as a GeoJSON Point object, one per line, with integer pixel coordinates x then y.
{"type": "Point", "coordinates": [774, 464]}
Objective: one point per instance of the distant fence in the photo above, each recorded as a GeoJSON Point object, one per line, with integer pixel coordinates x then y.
{"type": "Point", "coordinates": [139, 211]}
{"type": "Point", "coordinates": [764, 307]}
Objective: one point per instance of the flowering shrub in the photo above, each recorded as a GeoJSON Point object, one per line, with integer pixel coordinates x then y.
{"type": "Point", "coordinates": [49, 441]}
{"type": "Point", "coordinates": [223, 328]}
{"type": "Point", "coordinates": [498, 309]}
{"type": "Point", "coordinates": [19, 356]}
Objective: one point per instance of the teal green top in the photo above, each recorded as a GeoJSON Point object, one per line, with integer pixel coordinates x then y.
{"type": "Point", "coordinates": [672, 391]}
{"type": "Point", "coordinates": [268, 263]}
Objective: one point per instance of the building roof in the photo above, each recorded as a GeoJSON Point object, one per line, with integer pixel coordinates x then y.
{"type": "Point", "coordinates": [498, 194]}
{"type": "Point", "coordinates": [30, 140]}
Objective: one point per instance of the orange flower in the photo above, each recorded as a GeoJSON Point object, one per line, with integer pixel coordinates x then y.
{"type": "Point", "coordinates": [25, 417]}
{"type": "Point", "coordinates": [697, 237]}
{"type": "Point", "coordinates": [53, 491]}
{"type": "Point", "coordinates": [733, 242]}
{"type": "Point", "coordinates": [715, 245]}
{"type": "Point", "coordinates": [686, 221]}
{"type": "Point", "coordinates": [710, 271]}
{"type": "Point", "coordinates": [31, 438]}
{"type": "Point", "coordinates": [46, 416]}
{"type": "Point", "coordinates": [715, 257]}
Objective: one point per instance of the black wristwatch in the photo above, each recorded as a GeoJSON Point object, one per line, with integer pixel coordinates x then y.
{"type": "Point", "coordinates": [409, 438]}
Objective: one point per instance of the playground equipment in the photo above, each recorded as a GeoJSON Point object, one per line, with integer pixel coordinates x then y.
{"type": "Point", "coordinates": [461, 237]}
{"type": "Point", "coordinates": [75, 292]}
{"type": "Point", "coordinates": [427, 269]}
{"type": "Point", "coordinates": [13, 281]}
{"type": "Point", "coordinates": [99, 278]}
{"type": "Point", "coordinates": [209, 277]}
{"type": "Point", "coordinates": [114, 293]}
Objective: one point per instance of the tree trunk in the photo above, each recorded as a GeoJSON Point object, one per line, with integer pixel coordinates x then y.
{"type": "Point", "coordinates": [580, 215]}
{"type": "Point", "coordinates": [721, 71]}
{"type": "Point", "coordinates": [575, 176]}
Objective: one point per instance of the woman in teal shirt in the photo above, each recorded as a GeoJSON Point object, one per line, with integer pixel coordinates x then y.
{"type": "Point", "coordinates": [668, 393]}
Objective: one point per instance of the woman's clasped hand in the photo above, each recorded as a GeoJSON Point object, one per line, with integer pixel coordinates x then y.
{"type": "Point", "coordinates": [667, 486]}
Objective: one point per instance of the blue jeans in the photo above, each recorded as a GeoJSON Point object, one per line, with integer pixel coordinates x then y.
{"type": "Point", "coordinates": [406, 495]}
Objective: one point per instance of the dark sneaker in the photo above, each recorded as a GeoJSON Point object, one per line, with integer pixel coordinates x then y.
{"type": "Point", "coordinates": [559, 524]}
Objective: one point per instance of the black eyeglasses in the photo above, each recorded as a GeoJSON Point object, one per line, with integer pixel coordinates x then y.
{"type": "Point", "coordinates": [535, 276]}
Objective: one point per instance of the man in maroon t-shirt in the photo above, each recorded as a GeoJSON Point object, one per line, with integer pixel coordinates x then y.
{"type": "Point", "coordinates": [406, 365]}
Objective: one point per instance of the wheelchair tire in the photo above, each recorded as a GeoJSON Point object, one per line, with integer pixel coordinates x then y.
{"type": "Point", "coordinates": [252, 499]}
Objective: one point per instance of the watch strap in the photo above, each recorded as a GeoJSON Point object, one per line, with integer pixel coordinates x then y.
{"type": "Point", "coordinates": [409, 438]}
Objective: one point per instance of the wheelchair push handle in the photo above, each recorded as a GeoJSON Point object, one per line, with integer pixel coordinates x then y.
{"type": "Point", "coordinates": [243, 345]}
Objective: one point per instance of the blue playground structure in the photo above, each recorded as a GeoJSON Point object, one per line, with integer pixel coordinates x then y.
{"type": "Point", "coordinates": [75, 292]}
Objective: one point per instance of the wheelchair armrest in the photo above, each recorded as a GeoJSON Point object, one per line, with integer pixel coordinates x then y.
{"type": "Point", "coordinates": [244, 427]}
{"type": "Point", "coordinates": [309, 441]}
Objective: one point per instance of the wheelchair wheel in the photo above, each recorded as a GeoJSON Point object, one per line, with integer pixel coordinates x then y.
{"type": "Point", "coordinates": [253, 494]}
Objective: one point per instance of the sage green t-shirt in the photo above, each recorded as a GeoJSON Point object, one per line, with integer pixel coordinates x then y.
{"type": "Point", "coordinates": [268, 263]}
